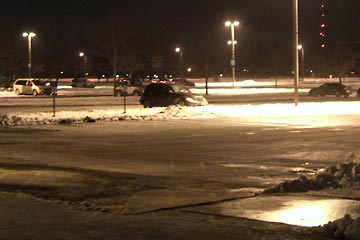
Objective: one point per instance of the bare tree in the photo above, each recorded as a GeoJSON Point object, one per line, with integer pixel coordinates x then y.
{"type": "Point", "coordinates": [113, 36]}
{"type": "Point", "coordinates": [338, 60]}
{"type": "Point", "coordinates": [276, 57]}
{"type": "Point", "coordinates": [12, 53]}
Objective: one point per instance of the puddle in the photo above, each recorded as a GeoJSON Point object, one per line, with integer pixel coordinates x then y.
{"type": "Point", "coordinates": [301, 211]}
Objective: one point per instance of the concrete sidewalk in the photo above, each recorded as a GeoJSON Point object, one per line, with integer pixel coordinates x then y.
{"type": "Point", "coordinates": [25, 217]}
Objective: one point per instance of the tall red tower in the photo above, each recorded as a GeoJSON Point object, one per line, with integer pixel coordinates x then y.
{"type": "Point", "coordinates": [323, 26]}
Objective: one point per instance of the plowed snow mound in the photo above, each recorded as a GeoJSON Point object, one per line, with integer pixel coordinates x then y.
{"type": "Point", "coordinates": [345, 228]}
{"type": "Point", "coordinates": [341, 175]}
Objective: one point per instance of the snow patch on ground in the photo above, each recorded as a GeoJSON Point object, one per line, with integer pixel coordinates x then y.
{"type": "Point", "coordinates": [67, 117]}
{"type": "Point", "coordinates": [280, 112]}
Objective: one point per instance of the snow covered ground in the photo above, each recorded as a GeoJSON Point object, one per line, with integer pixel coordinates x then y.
{"type": "Point", "coordinates": [326, 114]}
{"type": "Point", "coordinates": [305, 115]}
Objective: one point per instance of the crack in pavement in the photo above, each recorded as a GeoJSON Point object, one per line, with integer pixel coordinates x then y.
{"type": "Point", "coordinates": [109, 191]}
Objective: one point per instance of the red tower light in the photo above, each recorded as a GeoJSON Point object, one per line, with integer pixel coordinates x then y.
{"type": "Point", "coordinates": [323, 24]}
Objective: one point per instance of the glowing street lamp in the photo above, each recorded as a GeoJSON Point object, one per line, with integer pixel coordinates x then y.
{"type": "Point", "coordinates": [29, 36]}
{"type": "Point", "coordinates": [232, 25]}
{"type": "Point", "coordinates": [178, 50]}
{"type": "Point", "coordinates": [82, 54]}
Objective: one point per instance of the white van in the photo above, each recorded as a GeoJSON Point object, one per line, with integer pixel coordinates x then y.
{"type": "Point", "coordinates": [30, 86]}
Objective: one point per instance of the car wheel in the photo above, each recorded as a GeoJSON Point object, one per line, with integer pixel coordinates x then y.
{"type": "Point", "coordinates": [136, 93]}
{"type": "Point", "coordinates": [118, 93]}
{"type": "Point", "coordinates": [34, 93]}
{"type": "Point", "coordinates": [17, 92]}
{"type": "Point", "coordinates": [147, 104]}
{"type": "Point", "coordinates": [181, 102]}
{"type": "Point", "coordinates": [337, 94]}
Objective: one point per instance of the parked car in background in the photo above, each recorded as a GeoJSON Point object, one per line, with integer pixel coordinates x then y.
{"type": "Point", "coordinates": [183, 81]}
{"type": "Point", "coordinates": [161, 80]}
{"type": "Point", "coordinates": [336, 89]}
{"type": "Point", "coordinates": [31, 86]}
{"type": "Point", "coordinates": [164, 94]}
{"type": "Point", "coordinates": [82, 82]}
{"type": "Point", "coordinates": [179, 83]}
{"type": "Point", "coordinates": [124, 88]}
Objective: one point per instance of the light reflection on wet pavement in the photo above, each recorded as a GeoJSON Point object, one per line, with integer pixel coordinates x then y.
{"type": "Point", "coordinates": [294, 210]}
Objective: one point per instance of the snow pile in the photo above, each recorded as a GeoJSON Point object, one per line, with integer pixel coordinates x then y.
{"type": "Point", "coordinates": [341, 175]}
{"type": "Point", "coordinates": [68, 117]}
{"type": "Point", "coordinates": [345, 228]}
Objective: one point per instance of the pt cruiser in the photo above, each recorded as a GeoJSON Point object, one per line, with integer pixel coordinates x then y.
{"type": "Point", "coordinates": [164, 94]}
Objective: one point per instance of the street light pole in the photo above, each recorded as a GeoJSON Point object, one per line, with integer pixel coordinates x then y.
{"type": "Point", "coordinates": [81, 54]}
{"type": "Point", "coordinates": [232, 25]}
{"type": "Point", "coordinates": [296, 51]}
{"type": "Point", "coordinates": [301, 48]}
{"type": "Point", "coordinates": [179, 50]}
{"type": "Point", "coordinates": [303, 63]}
{"type": "Point", "coordinates": [29, 36]}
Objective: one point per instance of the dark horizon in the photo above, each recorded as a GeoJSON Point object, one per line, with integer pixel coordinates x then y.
{"type": "Point", "coordinates": [69, 26]}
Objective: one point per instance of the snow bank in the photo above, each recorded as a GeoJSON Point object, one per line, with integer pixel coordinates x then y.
{"type": "Point", "coordinates": [69, 117]}
{"type": "Point", "coordinates": [341, 175]}
{"type": "Point", "coordinates": [279, 113]}
{"type": "Point", "coordinates": [345, 228]}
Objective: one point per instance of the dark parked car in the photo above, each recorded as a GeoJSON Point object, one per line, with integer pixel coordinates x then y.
{"type": "Point", "coordinates": [336, 89]}
{"type": "Point", "coordinates": [82, 82]}
{"type": "Point", "coordinates": [165, 94]}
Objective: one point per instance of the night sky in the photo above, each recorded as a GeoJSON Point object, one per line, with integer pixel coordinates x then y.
{"type": "Point", "coordinates": [70, 25]}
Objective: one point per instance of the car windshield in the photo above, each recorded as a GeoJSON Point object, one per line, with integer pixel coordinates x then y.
{"type": "Point", "coordinates": [179, 88]}
{"type": "Point", "coordinates": [38, 82]}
